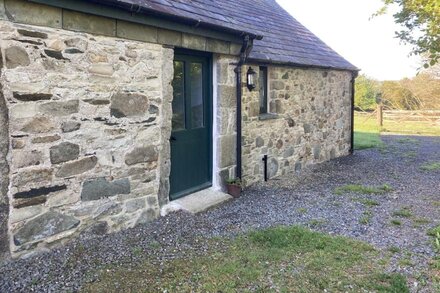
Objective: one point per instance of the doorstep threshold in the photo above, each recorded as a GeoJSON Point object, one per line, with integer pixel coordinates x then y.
{"type": "Point", "coordinates": [196, 202]}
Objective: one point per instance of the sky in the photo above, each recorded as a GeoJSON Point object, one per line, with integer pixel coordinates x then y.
{"type": "Point", "coordinates": [369, 44]}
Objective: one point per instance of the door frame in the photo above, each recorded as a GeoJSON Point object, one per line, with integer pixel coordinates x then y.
{"type": "Point", "coordinates": [209, 118]}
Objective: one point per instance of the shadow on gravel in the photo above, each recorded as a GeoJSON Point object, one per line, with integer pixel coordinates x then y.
{"type": "Point", "coordinates": [4, 244]}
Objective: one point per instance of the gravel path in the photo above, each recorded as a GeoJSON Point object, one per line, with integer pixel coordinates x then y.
{"type": "Point", "coordinates": [307, 199]}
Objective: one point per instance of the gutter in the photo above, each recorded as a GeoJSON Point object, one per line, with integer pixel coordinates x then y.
{"type": "Point", "coordinates": [248, 43]}
{"type": "Point", "coordinates": [270, 62]}
{"type": "Point", "coordinates": [353, 82]}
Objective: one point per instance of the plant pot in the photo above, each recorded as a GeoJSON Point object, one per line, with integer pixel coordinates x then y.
{"type": "Point", "coordinates": [234, 190]}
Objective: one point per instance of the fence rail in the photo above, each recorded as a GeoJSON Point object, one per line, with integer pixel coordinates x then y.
{"type": "Point", "coordinates": [402, 115]}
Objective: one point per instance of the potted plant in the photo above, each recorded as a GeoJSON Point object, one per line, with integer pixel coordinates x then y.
{"type": "Point", "coordinates": [234, 187]}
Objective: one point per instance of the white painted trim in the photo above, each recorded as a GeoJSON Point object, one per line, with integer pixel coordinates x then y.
{"type": "Point", "coordinates": [215, 129]}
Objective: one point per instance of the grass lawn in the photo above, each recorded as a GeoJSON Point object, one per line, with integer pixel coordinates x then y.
{"type": "Point", "coordinates": [366, 140]}
{"type": "Point", "coordinates": [435, 263]}
{"type": "Point", "coordinates": [431, 166]}
{"type": "Point", "coordinates": [411, 127]}
{"type": "Point", "coordinates": [367, 132]}
{"type": "Point", "coordinates": [355, 188]}
{"type": "Point", "coordinates": [291, 259]}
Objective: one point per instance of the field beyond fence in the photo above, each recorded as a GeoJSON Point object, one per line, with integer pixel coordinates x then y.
{"type": "Point", "coordinates": [402, 115]}
{"type": "Point", "coordinates": [426, 122]}
{"type": "Point", "coordinates": [368, 129]}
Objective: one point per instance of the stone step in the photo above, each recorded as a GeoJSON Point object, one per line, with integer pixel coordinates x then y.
{"type": "Point", "coordinates": [197, 202]}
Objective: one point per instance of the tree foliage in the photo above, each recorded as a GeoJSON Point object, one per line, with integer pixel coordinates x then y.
{"type": "Point", "coordinates": [433, 71]}
{"type": "Point", "coordinates": [366, 91]}
{"type": "Point", "coordinates": [419, 93]}
{"type": "Point", "coordinates": [425, 89]}
{"type": "Point", "coordinates": [396, 96]}
{"type": "Point", "coordinates": [420, 20]}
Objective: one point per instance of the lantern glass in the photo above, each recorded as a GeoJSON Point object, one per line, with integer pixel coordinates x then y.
{"type": "Point", "coordinates": [251, 74]}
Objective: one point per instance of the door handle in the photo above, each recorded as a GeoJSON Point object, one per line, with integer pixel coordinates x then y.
{"type": "Point", "coordinates": [172, 138]}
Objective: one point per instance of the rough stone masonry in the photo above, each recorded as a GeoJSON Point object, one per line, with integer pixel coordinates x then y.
{"type": "Point", "coordinates": [88, 128]}
{"type": "Point", "coordinates": [309, 122]}
{"type": "Point", "coordinates": [85, 121]}
{"type": "Point", "coordinates": [4, 171]}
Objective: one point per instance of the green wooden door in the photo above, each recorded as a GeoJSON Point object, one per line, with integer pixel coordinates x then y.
{"type": "Point", "coordinates": [191, 142]}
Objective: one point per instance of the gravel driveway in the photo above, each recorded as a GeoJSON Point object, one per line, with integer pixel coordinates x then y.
{"type": "Point", "coordinates": [306, 199]}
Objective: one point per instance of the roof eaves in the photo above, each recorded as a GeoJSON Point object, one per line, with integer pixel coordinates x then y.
{"type": "Point", "coordinates": [135, 8]}
{"type": "Point", "coordinates": [351, 68]}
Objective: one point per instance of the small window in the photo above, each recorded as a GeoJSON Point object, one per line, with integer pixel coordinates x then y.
{"type": "Point", "coordinates": [178, 120]}
{"type": "Point", "coordinates": [197, 106]}
{"type": "Point", "coordinates": [263, 89]}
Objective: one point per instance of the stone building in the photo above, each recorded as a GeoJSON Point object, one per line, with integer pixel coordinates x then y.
{"type": "Point", "coordinates": [112, 109]}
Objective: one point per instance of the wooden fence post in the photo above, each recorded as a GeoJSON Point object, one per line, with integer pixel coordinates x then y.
{"type": "Point", "coordinates": [380, 115]}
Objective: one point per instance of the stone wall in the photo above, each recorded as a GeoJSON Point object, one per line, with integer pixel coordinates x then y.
{"type": "Point", "coordinates": [311, 121]}
{"type": "Point", "coordinates": [23, 11]}
{"type": "Point", "coordinates": [90, 119]}
{"type": "Point", "coordinates": [4, 145]}
{"type": "Point", "coordinates": [89, 122]}
{"type": "Point", "coordinates": [226, 118]}
{"type": "Point", "coordinates": [4, 171]}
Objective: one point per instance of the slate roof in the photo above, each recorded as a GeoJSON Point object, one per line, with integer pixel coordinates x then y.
{"type": "Point", "coordinates": [285, 40]}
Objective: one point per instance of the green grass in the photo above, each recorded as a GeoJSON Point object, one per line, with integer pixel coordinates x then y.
{"type": "Point", "coordinates": [434, 231]}
{"type": "Point", "coordinates": [361, 189]}
{"type": "Point", "coordinates": [396, 222]}
{"type": "Point", "coordinates": [408, 140]}
{"type": "Point", "coordinates": [317, 222]}
{"type": "Point", "coordinates": [369, 202]}
{"type": "Point", "coordinates": [154, 245]}
{"type": "Point", "coordinates": [365, 124]}
{"type": "Point", "coordinates": [367, 132]}
{"type": "Point", "coordinates": [421, 221]}
{"type": "Point", "coordinates": [411, 128]}
{"type": "Point", "coordinates": [136, 250]}
{"type": "Point", "coordinates": [365, 140]}
{"type": "Point", "coordinates": [435, 263]}
{"type": "Point", "coordinates": [366, 218]}
{"type": "Point", "coordinates": [403, 213]}
{"type": "Point", "coordinates": [431, 166]}
{"type": "Point", "coordinates": [394, 249]}
{"type": "Point", "coordinates": [435, 273]}
{"type": "Point", "coordinates": [406, 262]}
{"type": "Point", "coordinates": [302, 211]}
{"type": "Point", "coordinates": [283, 259]}
{"type": "Point", "coordinates": [369, 124]}
{"type": "Point", "coordinates": [410, 155]}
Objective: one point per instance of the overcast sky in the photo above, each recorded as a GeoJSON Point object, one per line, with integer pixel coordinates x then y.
{"type": "Point", "coordinates": [344, 25]}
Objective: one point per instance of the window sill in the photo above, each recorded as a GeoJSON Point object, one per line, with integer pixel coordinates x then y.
{"type": "Point", "coordinates": [268, 116]}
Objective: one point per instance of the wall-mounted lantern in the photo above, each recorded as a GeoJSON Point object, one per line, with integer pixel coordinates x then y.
{"type": "Point", "coordinates": [251, 77]}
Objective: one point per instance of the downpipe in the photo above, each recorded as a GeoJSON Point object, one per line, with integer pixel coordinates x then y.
{"type": "Point", "coordinates": [354, 75]}
{"type": "Point", "coordinates": [244, 54]}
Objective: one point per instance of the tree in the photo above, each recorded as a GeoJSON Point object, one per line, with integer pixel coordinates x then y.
{"type": "Point", "coordinates": [425, 89]}
{"type": "Point", "coordinates": [433, 71]}
{"type": "Point", "coordinates": [396, 96]}
{"type": "Point", "coordinates": [365, 93]}
{"type": "Point", "coordinates": [420, 20]}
